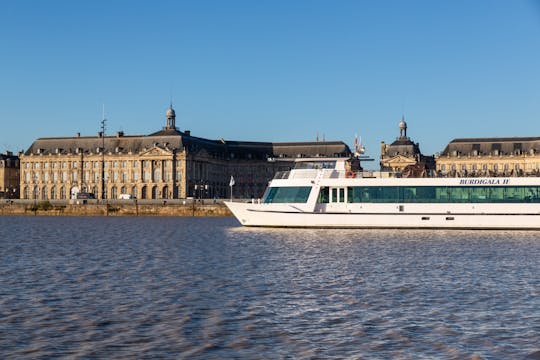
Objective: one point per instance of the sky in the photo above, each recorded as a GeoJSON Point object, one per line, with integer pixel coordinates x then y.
{"type": "Point", "coordinates": [271, 70]}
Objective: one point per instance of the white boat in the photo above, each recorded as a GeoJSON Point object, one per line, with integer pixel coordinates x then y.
{"type": "Point", "coordinates": [326, 193]}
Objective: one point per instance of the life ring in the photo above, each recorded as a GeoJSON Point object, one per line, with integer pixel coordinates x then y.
{"type": "Point", "coordinates": [349, 174]}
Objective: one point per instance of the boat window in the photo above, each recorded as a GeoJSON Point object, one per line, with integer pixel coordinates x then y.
{"type": "Point", "coordinates": [442, 194]}
{"type": "Point", "coordinates": [289, 194]}
{"type": "Point", "coordinates": [350, 194]}
{"type": "Point", "coordinates": [324, 196]}
{"type": "Point", "coordinates": [315, 165]}
{"type": "Point", "coordinates": [334, 195]}
{"type": "Point", "coordinates": [338, 195]}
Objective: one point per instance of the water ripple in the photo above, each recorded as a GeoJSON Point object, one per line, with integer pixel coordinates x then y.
{"type": "Point", "coordinates": [206, 288]}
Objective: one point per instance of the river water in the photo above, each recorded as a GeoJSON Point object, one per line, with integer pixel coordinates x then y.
{"type": "Point", "coordinates": [122, 287]}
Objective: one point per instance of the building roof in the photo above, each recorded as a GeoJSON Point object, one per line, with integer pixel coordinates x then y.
{"type": "Point", "coordinates": [492, 145]}
{"type": "Point", "coordinates": [172, 139]}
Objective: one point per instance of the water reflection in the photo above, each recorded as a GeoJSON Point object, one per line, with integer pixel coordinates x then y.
{"type": "Point", "coordinates": [206, 288]}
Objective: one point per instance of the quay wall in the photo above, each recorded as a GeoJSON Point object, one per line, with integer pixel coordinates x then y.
{"type": "Point", "coordinates": [114, 209]}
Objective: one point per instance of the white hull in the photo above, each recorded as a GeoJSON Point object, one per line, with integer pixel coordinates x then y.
{"type": "Point", "coordinates": [462, 216]}
{"type": "Point", "coordinates": [335, 198]}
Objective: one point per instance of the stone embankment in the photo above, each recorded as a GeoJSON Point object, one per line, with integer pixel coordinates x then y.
{"type": "Point", "coordinates": [130, 208]}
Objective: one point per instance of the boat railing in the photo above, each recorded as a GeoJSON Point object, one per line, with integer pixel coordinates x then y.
{"type": "Point", "coordinates": [326, 174]}
{"type": "Point", "coordinates": [282, 175]}
{"type": "Point", "coordinates": [341, 174]}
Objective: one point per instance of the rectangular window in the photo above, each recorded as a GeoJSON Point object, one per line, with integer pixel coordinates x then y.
{"type": "Point", "coordinates": [334, 195]}
{"type": "Point", "coordinates": [324, 196]}
{"type": "Point", "coordinates": [292, 194]}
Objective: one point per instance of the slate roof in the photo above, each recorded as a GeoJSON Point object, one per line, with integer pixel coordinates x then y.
{"type": "Point", "coordinates": [486, 146]}
{"type": "Point", "coordinates": [176, 140]}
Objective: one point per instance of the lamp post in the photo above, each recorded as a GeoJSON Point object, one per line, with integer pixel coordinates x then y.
{"type": "Point", "coordinates": [36, 190]}
{"type": "Point", "coordinates": [200, 190]}
{"type": "Point", "coordinates": [103, 121]}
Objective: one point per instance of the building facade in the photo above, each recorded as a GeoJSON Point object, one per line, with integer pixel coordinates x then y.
{"type": "Point", "coordinates": [514, 156]}
{"type": "Point", "coordinates": [404, 156]}
{"type": "Point", "coordinates": [9, 176]}
{"type": "Point", "coordinates": [167, 164]}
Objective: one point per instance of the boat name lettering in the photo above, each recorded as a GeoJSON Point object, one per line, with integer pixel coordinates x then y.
{"type": "Point", "coordinates": [484, 181]}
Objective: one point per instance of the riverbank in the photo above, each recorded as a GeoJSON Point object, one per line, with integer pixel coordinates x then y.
{"type": "Point", "coordinates": [46, 208]}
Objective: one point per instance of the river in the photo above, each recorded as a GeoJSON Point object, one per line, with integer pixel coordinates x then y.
{"type": "Point", "coordinates": [184, 287]}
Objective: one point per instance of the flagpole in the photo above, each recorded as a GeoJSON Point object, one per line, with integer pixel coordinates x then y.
{"type": "Point", "coordinates": [231, 184]}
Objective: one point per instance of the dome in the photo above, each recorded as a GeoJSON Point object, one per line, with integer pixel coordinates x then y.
{"type": "Point", "coordinates": [170, 113]}
{"type": "Point", "coordinates": [402, 124]}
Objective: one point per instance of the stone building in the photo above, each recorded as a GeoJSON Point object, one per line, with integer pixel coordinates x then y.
{"type": "Point", "coordinates": [403, 154]}
{"type": "Point", "coordinates": [513, 156]}
{"type": "Point", "coordinates": [9, 176]}
{"type": "Point", "coordinates": [167, 164]}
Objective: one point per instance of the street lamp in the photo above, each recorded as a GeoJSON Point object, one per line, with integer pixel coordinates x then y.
{"type": "Point", "coordinates": [103, 155]}
{"type": "Point", "coordinates": [200, 190]}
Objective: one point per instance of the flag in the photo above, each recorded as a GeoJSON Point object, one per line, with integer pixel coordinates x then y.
{"type": "Point", "coordinates": [231, 182]}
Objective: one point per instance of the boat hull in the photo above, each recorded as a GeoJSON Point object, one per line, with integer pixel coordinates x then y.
{"type": "Point", "coordinates": [428, 216]}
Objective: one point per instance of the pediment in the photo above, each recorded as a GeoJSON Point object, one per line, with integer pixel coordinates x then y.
{"type": "Point", "coordinates": [400, 159]}
{"type": "Point", "coordinates": [202, 153]}
{"type": "Point", "coordinates": [156, 151]}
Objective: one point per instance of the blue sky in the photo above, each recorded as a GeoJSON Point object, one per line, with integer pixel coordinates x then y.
{"type": "Point", "coordinates": [271, 70]}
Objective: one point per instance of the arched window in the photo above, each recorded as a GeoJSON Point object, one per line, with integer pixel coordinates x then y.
{"type": "Point", "coordinates": [44, 194]}
{"type": "Point", "coordinates": [113, 192]}
{"type": "Point", "coordinates": [53, 193]}
{"type": "Point", "coordinates": [165, 192]}
{"type": "Point", "coordinates": [143, 192]}
{"type": "Point", "coordinates": [26, 193]}
{"type": "Point", "coordinates": [134, 192]}
{"type": "Point", "coordinates": [155, 192]}
{"type": "Point", "coordinates": [36, 193]}
{"type": "Point", "coordinates": [63, 193]}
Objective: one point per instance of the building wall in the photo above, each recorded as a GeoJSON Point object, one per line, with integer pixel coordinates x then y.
{"type": "Point", "coordinates": [60, 176]}
{"type": "Point", "coordinates": [162, 166]}
{"type": "Point", "coordinates": [488, 165]}
{"type": "Point", "coordinates": [490, 157]}
{"type": "Point", "coordinates": [156, 174]}
{"type": "Point", "coordinates": [9, 176]}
